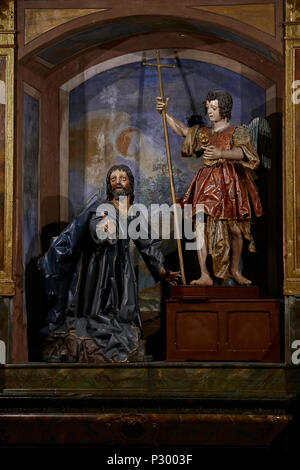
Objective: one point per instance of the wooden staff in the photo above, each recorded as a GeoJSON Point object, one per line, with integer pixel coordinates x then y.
{"type": "Point", "coordinates": [159, 66]}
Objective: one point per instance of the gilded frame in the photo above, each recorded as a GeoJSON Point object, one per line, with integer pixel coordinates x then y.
{"type": "Point", "coordinates": [292, 112]}
{"type": "Point", "coordinates": [7, 285]}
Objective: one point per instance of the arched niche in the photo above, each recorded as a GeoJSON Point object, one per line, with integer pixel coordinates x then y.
{"type": "Point", "coordinates": [51, 85]}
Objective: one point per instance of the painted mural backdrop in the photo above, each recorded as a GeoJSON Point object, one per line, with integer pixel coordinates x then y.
{"type": "Point", "coordinates": [113, 120]}
{"type": "Point", "coordinates": [2, 156]}
{"type": "Point", "coordinates": [31, 179]}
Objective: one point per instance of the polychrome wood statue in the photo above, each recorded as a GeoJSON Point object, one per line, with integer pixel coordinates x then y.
{"type": "Point", "coordinates": [224, 185]}
{"type": "Point", "coordinates": [90, 282]}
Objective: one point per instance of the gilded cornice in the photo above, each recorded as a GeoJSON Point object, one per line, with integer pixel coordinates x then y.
{"type": "Point", "coordinates": [7, 22]}
{"type": "Point", "coordinates": [40, 21]}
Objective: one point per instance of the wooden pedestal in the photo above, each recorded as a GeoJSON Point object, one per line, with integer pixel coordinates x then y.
{"type": "Point", "coordinates": [222, 329]}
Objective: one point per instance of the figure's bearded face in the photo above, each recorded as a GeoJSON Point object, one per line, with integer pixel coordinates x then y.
{"type": "Point", "coordinates": [120, 184]}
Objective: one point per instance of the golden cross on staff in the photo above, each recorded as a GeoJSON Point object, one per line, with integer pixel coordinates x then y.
{"type": "Point", "coordinates": [159, 66]}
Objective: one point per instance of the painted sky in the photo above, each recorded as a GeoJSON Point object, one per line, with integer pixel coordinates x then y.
{"type": "Point", "coordinates": [113, 119]}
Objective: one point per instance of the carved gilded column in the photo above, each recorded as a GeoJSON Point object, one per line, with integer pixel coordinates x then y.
{"type": "Point", "coordinates": [292, 180]}
{"type": "Point", "coordinates": [7, 47]}
{"type": "Point", "coordinates": [292, 149]}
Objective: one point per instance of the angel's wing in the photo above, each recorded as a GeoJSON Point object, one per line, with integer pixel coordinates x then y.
{"type": "Point", "coordinates": [261, 134]}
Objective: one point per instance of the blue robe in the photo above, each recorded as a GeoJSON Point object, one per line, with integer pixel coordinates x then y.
{"type": "Point", "coordinates": [92, 291]}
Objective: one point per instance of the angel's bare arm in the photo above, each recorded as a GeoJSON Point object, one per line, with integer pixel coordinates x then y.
{"type": "Point", "coordinates": [177, 126]}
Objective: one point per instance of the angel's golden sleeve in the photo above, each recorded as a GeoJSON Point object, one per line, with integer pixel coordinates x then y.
{"type": "Point", "coordinates": [241, 138]}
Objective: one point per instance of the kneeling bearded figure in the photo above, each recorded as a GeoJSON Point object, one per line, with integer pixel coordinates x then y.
{"type": "Point", "coordinates": [91, 284]}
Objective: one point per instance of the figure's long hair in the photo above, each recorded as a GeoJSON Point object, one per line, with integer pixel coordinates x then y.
{"type": "Point", "coordinates": [128, 172]}
{"type": "Point", "coordinates": [224, 100]}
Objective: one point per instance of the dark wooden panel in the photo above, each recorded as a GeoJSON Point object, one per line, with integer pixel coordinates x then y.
{"type": "Point", "coordinates": [140, 429]}
{"type": "Point", "coordinates": [214, 292]}
{"type": "Point", "coordinates": [188, 326]}
{"type": "Point", "coordinates": [222, 330]}
{"type": "Point", "coordinates": [248, 330]}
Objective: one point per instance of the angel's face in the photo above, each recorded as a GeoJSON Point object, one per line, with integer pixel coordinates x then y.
{"type": "Point", "coordinates": [213, 110]}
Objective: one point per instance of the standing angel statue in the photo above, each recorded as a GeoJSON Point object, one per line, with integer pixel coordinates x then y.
{"type": "Point", "coordinates": [222, 185]}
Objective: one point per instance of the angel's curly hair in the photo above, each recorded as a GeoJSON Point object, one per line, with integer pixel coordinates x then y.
{"type": "Point", "coordinates": [225, 102]}
{"type": "Point", "coordinates": [128, 172]}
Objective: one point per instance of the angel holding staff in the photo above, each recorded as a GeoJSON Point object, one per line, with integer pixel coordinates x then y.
{"type": "Point", "coordinates": [222, 184]}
